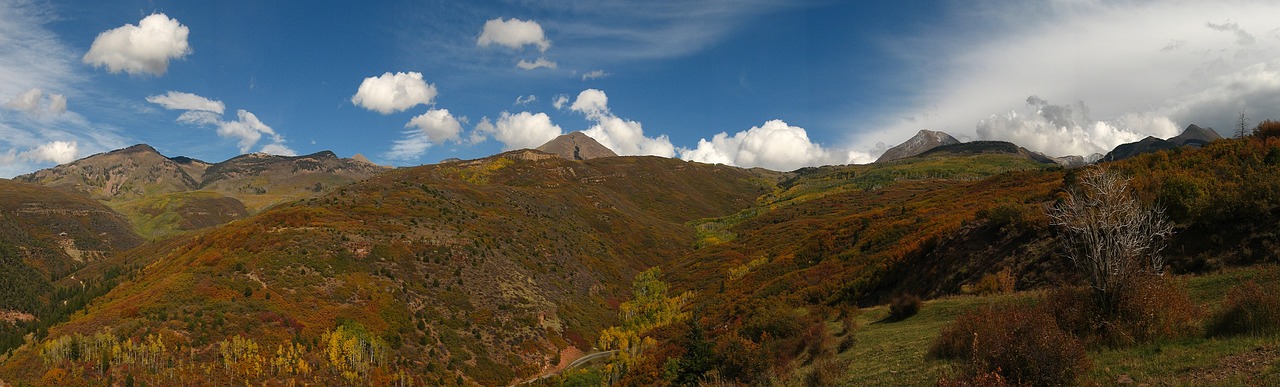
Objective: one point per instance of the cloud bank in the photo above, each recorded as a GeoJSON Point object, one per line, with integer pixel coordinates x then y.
{"type": "Point", "coordinates": [1141, 69]}
{"type": "Point", "coordinates": [391, 93]}
{"type": "Point", "coordinates": [142, 49]}
{"type": "Point", "coordinates": [774, 145]}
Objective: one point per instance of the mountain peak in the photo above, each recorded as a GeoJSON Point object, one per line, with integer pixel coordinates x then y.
{"type": "Point", "coordinates": [139, 148]}
{"type": "Point", "coordinates": [1196, 136]}
{"type": "Point", "coordinates": [923, 141]}
{"type": "Point", "coordinates": [576, 146]}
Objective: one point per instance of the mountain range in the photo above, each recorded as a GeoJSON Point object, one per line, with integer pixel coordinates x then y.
{"type": "Point", "coordinates": [501, 269]}
{"type": "Point", "coordinates": [163, 195]}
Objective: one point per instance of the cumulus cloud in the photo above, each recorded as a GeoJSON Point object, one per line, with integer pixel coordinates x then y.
{"type": "Point", "coordinates": [30, 101]}
{"type": "Point", "coordinates": [624, 137]}
{"type": "Point", "coordinates": [436, 126]}
{"type": "Point", "coordinates": [774, 145]}
{"type": "Point", "coordinates": [60, 152]}
{"type": "Point", "coordinates": [560, 101]}
{"type": "Point", "coordinates": [1177, 64]}
{"type": "Point", "coordinates": [176, 100]}
{"type": "Point", "coordinates": [513, 33]}
{"type": "Point", "coordinates": [519, 130]}
{"type": "Point", "coordinates": [390, 93]}
{"type": "Point", "coordinates": [142, 49]}
{"type": "Point", "coordinates": [536, 64]}
{"type": "Point", "coordinates": [597, 74]}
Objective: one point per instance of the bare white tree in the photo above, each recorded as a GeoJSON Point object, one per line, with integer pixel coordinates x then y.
{"type": "Point", "coordinates": [1109, 234]}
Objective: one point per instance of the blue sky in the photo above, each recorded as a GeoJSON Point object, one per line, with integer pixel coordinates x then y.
{"type": "Point", "coordinates": [743, 82]}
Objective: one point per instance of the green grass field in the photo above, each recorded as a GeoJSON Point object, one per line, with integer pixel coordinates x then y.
{"type": "Point", "coordinates": [894, 353]}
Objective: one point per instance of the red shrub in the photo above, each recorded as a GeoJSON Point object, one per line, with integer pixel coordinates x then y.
{"type": "Point", "coordinates": [1018, 344]}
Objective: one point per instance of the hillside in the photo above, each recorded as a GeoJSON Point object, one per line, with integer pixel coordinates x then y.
{"type": "Point", "coordinates": [486, 269]}
{"type": "Point", "coordinates": [836, 238]}
{"type": "Point", "coordinates": [46, 235]}
{"type": "Point", "coordinates": [162, 195]}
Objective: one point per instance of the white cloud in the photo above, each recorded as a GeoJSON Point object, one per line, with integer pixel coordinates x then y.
{"type": "Point", "coordinates": [247, 130]}
{"type": "Point", "coordinates": [60, 152]}
{"type": "Point", "coordinates": [200, 118]}
{"type": "Point", "coordinates": [513, 33]}
{"type": "Point", "coordinates": [1069, 130]}
{"type": "Point", "coordinates": [591, 102]}
{"type": "Point", "coordinates": [774, 145]}
{"type": "Point", "coordinates": [1141, 68]}
{"type": "Point", "coordinates": [390, 93]}
{"type": "Point", "coordinates": [624, 137]}
{"type": "Point", "coordinates": [278, 148]}
{"type": "Point", "coordinates": [57, 103]}
{"type": "Point", "coordinates": [176, 100]}
{"type": "Point", "coordinates": [142, 49]}
{"type": "Point", "coordinates": [436, 126]}
{"type": "Point", "coordinates": [597, 74]}
{"type": "Point", "coordinates": [27, 101]}
{"type": "Point", "coordinates": [525, 100]}
{"type": "Point", "coordinates": [539, 63]}
{"type": "Point", "coordinates": [34, 58]}
{"type": "Point", "coordinates": [519, 130]}
{"type": "Point", "coordinates": [560, 101]}
{"type": "Point", "coordinates": [30, 102]}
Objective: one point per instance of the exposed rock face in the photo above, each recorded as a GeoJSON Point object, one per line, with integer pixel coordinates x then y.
{"type": "Point", "coordinates": [922, 142]}
{"type": "Point", "coordinates": [576, 146]}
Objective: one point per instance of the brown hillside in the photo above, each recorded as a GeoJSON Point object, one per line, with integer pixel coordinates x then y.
{"type": "Point", "coordinates": [490, 267]}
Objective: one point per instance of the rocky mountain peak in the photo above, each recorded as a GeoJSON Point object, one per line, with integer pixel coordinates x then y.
{"type": "Point", "coordinates": [922, 142]}
{"type": "Point", "coordinates": [576, 146]}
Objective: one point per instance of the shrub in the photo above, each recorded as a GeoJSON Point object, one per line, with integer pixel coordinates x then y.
{"type": "Point", "coordinates": [1247, 309]}
{"type": "Point", "coordinates": [1153, 308]}
{"type": "Point", "coordinates": [1018, 344]}
{"type": "Point", "coordinates": [903, 306]}
{"type": "Point", "coordinates": [1001, 282]}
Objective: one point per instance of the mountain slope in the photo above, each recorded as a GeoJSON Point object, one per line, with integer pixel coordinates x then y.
{"type": "Point", "coordinates": [46, 236]}
{"type": "Point", "coordinates": [920, 143]}
{"type": "Point", "coordinates": [489, 267]}
{"type": "Point", "coordinates": [162, 195]}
